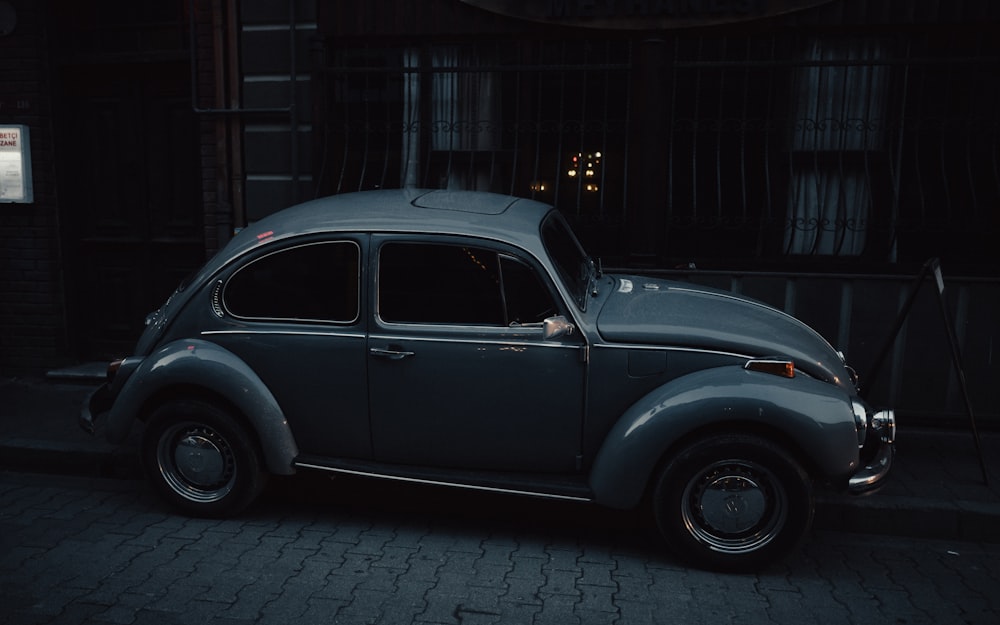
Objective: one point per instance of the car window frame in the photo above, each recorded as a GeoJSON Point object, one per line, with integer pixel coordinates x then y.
{"type": "Point", "coordinates": [578, 287]}
{"type": "Point", "coordinates": [500, 248]}
{"type": "Point", "coordinates": [287, 245]}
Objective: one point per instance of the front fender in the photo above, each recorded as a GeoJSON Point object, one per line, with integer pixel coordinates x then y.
{"type": "Point", "coordinates": [202, 364]}
{"type": "Point", "coordinates": [816, 415]}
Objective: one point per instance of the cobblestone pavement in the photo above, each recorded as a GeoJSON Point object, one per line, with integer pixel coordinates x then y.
{"type": "Point", "coordinates": [78, 550]}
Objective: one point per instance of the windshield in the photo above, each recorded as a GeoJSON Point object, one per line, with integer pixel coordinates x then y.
{"type": "Point", "coordinates": [574, 266]}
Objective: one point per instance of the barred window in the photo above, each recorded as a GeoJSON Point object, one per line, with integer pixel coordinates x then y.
{"type": "Point", "coordinates": [839, 118]}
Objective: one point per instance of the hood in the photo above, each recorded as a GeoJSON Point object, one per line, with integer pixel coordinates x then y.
{"type": "Point", "coordinates": [661, 312]}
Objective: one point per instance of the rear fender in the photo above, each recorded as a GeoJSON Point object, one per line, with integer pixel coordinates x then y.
{"type": "Point", "coordinates": [815, 415]}
{"type": "Point", "coordinates": [197, 363]}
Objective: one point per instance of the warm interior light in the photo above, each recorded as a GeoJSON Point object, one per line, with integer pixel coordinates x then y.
{"type": "Point", "coordinates": [585, 164]}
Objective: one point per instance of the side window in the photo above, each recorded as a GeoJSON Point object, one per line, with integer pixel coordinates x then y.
{"type": "Point", "coordinates": [527, 299]}
{"type": "Point", "coordinates": [313, 282]}
{"type": "Point", "coordinates": [429, 283]}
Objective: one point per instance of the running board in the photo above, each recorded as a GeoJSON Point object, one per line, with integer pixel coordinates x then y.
{"type": "Point", "coordinates": [563, 489]}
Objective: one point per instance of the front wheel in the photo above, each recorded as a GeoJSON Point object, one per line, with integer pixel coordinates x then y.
{"type": "Point", "coordinates": [200, 459]}
{"type": "Point", "coordinates": [733, 503]}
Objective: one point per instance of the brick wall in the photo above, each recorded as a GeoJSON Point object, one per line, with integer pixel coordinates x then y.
{"type": "Point", "coordinates": [32, 310]}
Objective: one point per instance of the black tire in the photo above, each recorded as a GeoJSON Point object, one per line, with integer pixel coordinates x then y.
{"type": "Point", "coordinates": [201, 459]}
{"type": "Point", "coordinates": [733, 503]}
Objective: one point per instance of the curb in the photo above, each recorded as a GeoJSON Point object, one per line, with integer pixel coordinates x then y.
{"type": "Point", "coordinates": [911, 517]}
{"type": "Point", "coordinates": [33, 456]}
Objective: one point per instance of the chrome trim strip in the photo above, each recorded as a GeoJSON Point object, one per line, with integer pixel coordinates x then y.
{"type": "Point", "coordinates": [529, 341]}
{"type": "Point", "coordinates": [453, 327]}
{"type": "Point", "coordinates": [672, 348]}
{"type": "Point", "coordinates": [357, 312]}
{"type": "Point", "coordinates": [350, 335]}
{"type": "Point", "coordinates": [414, 480]}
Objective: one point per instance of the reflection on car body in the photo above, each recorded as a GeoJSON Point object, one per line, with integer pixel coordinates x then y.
{"type": "Point", "coordinates": [467, 339]}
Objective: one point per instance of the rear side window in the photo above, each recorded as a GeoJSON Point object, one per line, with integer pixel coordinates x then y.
{"type": "Point", "coordinates": [313, 282]}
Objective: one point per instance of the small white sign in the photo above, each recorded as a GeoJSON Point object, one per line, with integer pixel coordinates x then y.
{"type": "Point", "coordinates": [15, 165]}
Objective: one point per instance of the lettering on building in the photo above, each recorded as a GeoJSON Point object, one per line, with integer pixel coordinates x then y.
{"type": "Point", "coordinates": [9, 139]}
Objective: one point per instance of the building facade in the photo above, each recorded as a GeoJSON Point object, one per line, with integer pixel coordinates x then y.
{"type": "Point", "coordinates": [810, 153]}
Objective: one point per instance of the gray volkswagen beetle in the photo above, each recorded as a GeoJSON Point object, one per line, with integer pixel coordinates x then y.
{"type": "Point", "coordinates": [466, 339]}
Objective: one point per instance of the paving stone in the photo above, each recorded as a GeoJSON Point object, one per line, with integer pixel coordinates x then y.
{"type": "Point", "coordinates": [365, 567]}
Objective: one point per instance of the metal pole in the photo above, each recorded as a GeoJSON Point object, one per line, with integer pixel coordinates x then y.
{"type": "Point", "coordinates": [956, 358]}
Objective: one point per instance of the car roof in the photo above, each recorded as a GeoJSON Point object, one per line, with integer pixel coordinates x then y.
{"type": "Point", "coordinates": [409, 210]}
{"type": "Point", "coordinates": [471, 213]}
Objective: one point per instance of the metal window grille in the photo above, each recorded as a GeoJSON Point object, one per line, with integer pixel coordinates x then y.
{"type": "Point", "coordinates": [716, 149]}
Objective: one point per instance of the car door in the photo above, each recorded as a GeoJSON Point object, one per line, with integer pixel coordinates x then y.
{"type": "Point", "coordinates": [459, 373]}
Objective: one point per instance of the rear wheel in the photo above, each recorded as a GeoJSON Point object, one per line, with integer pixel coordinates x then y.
{"type": "Point", "coordinates": [733, 503]}
{"type": "Point", "coordinates": [201, 459]}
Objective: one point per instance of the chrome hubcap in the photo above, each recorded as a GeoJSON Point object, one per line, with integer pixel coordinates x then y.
{"type": "Point", "coordinates": [196, 462]}
{"type": "Point", "coordinates": [734, 506]}
{"type": "Point", "coordinates": [199, 460]}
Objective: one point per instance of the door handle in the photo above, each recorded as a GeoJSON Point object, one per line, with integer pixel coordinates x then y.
{"type": "Point", "coordinates": [391, 354]}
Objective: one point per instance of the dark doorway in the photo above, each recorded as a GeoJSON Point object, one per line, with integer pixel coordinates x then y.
{"type": "Point", "coordinates": [129, 190]}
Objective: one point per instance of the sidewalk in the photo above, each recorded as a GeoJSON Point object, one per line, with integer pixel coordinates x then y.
{"type": "Point", "coordinates": [936, 489]}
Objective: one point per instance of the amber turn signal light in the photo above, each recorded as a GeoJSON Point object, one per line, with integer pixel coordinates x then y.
{"type": "Point", "coordinates": [783, 368]}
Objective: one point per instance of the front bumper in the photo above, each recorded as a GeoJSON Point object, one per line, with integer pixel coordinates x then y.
{"type": "Point", "coordinates": [877, 454]}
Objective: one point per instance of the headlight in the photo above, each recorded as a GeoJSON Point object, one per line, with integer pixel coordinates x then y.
{"type": "Point", "coordinates": [884, 423]}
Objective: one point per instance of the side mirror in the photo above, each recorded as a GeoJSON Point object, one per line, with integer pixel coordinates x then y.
{"type": "Point", "coordinates": [554, 327]}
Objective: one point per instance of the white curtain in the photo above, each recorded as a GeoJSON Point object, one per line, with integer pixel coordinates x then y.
{"type": "Point", "coordinates": [839, 100]}
{"type": "Point", "coordinates": [410, 176]}
{"type": "Point", "coordinates": [829, 212]}
{"type": "Point", "coordinates": [466, 103]}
